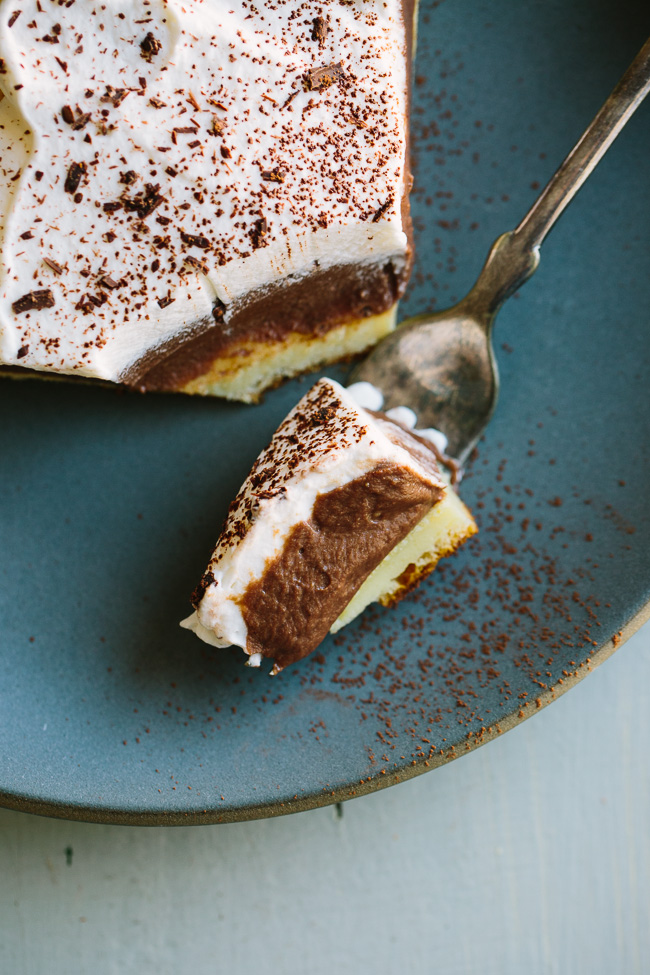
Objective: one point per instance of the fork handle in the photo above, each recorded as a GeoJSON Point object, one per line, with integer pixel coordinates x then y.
{"type": "Point", "coordinates": [515, 255]}
{"type": "Point", "coordinates": [590, 149]}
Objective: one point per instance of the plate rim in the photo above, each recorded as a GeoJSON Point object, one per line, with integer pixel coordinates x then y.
{"type": "Point", "coordinates": [78, 812]}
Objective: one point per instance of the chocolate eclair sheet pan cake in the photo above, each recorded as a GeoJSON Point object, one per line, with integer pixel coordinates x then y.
{"type": "Point", "coordinates": [201, 196]}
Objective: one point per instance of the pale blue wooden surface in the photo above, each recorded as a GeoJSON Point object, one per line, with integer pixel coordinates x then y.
{"type": "Point", "coordinates": [531, 854]}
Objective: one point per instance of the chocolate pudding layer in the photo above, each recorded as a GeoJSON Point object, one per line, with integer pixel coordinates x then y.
{"type": "Point", "coordinates": [290, 609]}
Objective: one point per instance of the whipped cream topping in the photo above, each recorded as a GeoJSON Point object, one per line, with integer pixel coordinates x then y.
{"type": "Point", "coordinates": [163, 158]}
{"type": "Point", "coordinates": [372, 398]}
{"type": "Point", "coordinates": [325, 442]}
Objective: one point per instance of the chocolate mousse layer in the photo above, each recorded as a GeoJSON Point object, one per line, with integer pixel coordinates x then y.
{"type": "Point", "coordinates": [290, 609]}
{"type": "Point", "coordinates": [311, 305]}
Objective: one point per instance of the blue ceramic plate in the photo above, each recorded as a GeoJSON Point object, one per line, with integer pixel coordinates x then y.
{"type": "Point", "coordinates": [111, 502]}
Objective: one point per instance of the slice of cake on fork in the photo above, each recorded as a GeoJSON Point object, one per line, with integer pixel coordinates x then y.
{"type": "Point", "coordinates": [344, 507]}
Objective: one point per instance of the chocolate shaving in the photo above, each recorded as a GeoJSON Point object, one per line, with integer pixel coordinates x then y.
{"type": "Point", "coordinates": [3, 66]}
{"type": "Point", "coordinates": [319, 30]}
{"type": "Point", "coordinates": [355, 120]}
{"type": "Point", "coordinates": [129, 177]}
{"type": "Point", "coordinates": [378, 214]}
{"type": "Point", "coordinates": [157, 103]}
{"type": "Point", "coordinates": [289, 99]}
{"type": "Point", "coordinates": [53, 265]}
{"type": "Point", "coordinates": [145, 202]}
{"type": "Point", "coordinates": [81, 121]}
{"type": "Point", "coordinates": [207, 580]}
{"type": "Point", "coordinates": [67, 115]}
{"type": "Point", "coordinates": [149, 47]}
{"type": "Point", "coordinates": [85, 304]}
{"type": "Point", "coordinates": [195, 240]}
{"type": "Point", "coordinates": [195, 262]}
{"type": "Point", "coordinates": [73, 179]}
{"type": "Point", "coordinates": [62, 64]}
{"type": "Point", "coordinates": [33, 301]}
{"type": "Point", "coordinates": [27, 235]}
{"type": "Point", "coordinates": [108, 282]}
{"type": "Point", "coordinates": [14, 17]}
{"type": "Point", "coordinates": [193, 102]}
{"type": "Point", "coordinates": [273, 175]}
{"type": "Point", "coordinates": [38, 175]}
{"type": "Point", "coordinates": [112, 206]}
{"type": "Point", "coordinates": [216, 126]}
{"type": "Point", "coordinates": [225, 152]}
{"type": "Point", "coordinates": [321, 78]}
{"type": "Point", "coordinates": [114, 95]}
{"type": "Point", "coordinates": [323, 416]}
{"type": "Point", "coordinates": [185, 129]}
{"type": "Point", "coordinates": [258, 232]}
{"type": "Point", "coordinates": [163, 302]}
{"type": "Point", "coordinates": [22, 352]}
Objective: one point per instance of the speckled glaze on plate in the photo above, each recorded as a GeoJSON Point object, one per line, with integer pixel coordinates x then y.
{"type": "Point", "coordinates": [110, 502]}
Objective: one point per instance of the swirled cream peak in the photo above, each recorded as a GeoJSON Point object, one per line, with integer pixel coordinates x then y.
{"type": "Point", "coordinates": [161, 158]}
